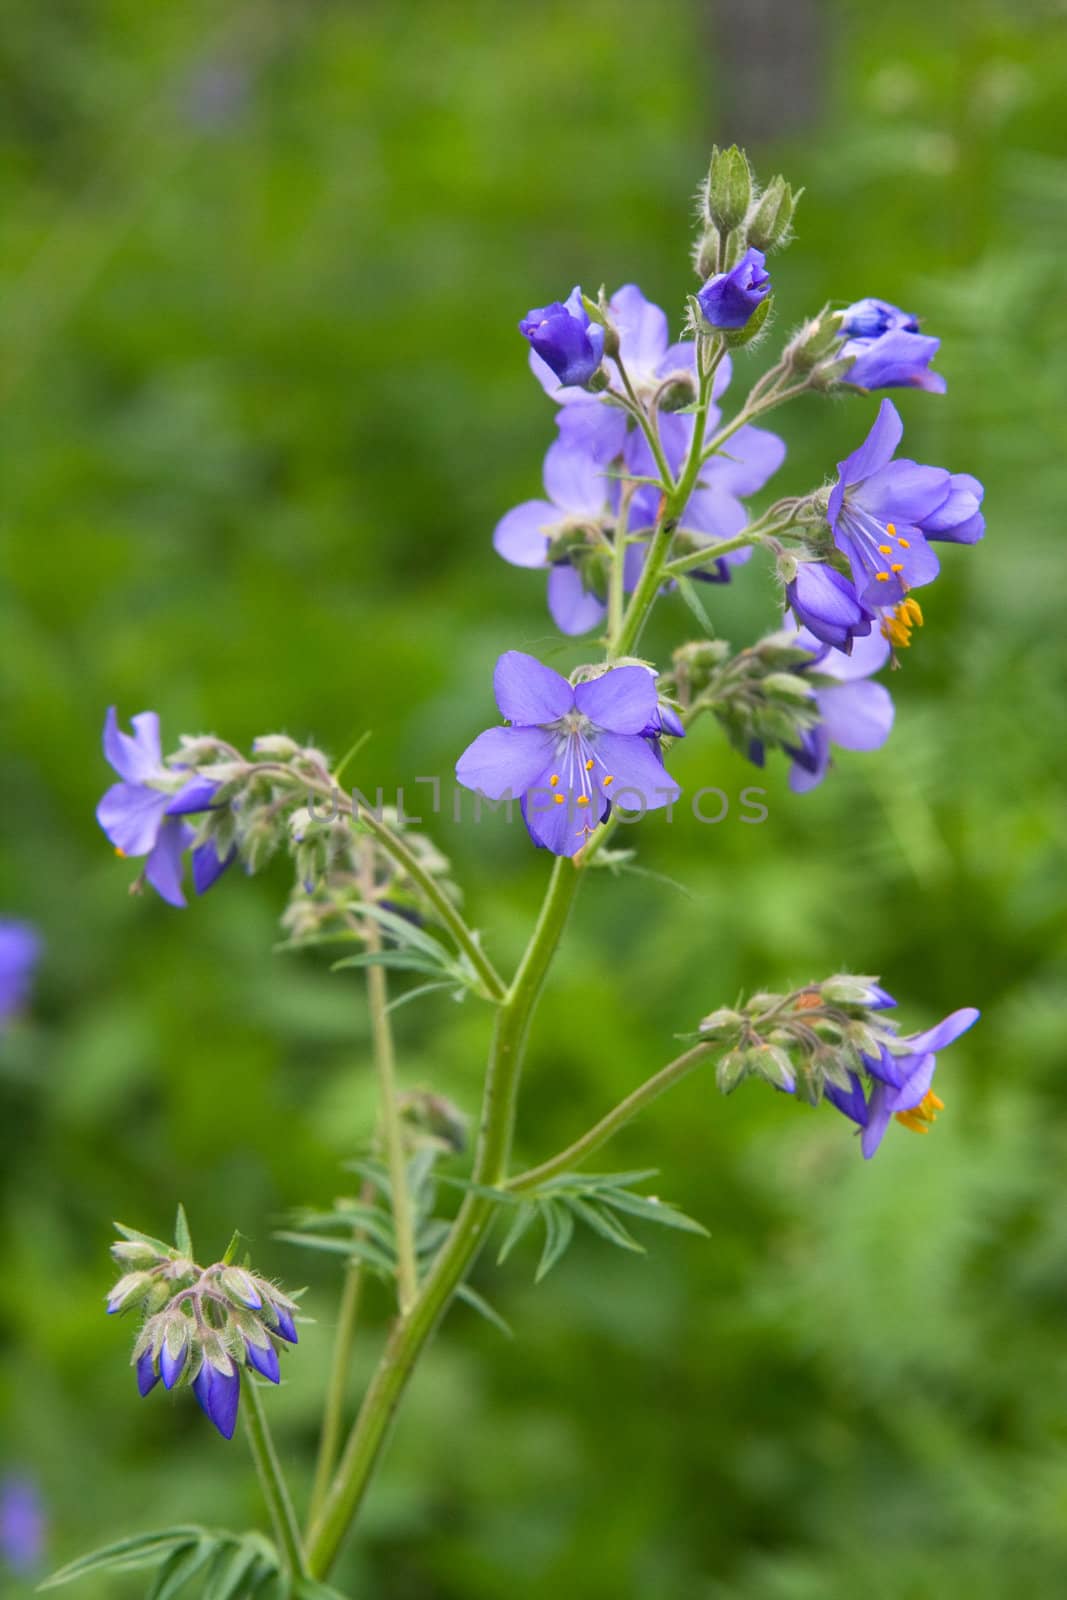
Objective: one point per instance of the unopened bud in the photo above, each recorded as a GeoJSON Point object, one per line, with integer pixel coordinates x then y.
{"type": "Point", "coordinates": [729, 189]}
{"type": "Point", "coordinates": [771, 221]}
{"type": "Point", "coordinates": [276, 746]}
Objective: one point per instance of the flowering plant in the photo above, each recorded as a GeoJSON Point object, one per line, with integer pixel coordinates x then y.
{"type": "Point", "coordinates": [647, 483]}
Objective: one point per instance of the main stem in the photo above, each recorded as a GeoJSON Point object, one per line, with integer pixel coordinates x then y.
{"type": "Point", "coordinates": [410, 1334]}
{"type": "Point", "coordinates": [276, 1494]}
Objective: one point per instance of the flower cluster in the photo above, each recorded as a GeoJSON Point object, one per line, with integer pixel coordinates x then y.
{"type": "Point", "coordinates": [833, 1041]}
{"type": "Point", "coordinates": [202, 1325]}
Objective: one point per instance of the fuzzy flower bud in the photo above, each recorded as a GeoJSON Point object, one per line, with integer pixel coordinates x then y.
{"type": "Point", "coordinates": [770, 223]}
{"type": "Point", "coordinates": [729, 188]}
{"type": "Point", "coordinates": [729, 299]}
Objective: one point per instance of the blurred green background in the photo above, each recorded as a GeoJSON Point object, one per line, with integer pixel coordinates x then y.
{"type": "Point", "coordinates": [263, 401]}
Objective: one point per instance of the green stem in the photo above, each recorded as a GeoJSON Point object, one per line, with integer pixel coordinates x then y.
{"type": "Point", "coordinates": [608, 1126]}
{"type": "Point", "coordinates": [337, 1386]}
{"type": "Point", "coordinates": [389, 1111]}
{"type": "Point", "coordinates": [616, 588]}
{"type": "Point", "coordinates": [275, 1491]}
{"type": "Point", "coordinates": [410, 1335]}
{"type": "Point", "coordinates": [644, 422]}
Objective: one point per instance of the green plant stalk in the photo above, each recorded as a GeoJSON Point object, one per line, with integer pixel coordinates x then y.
{"type": "Point", "coordinates": [675, 499]}
{"type": "Point", "coordinates": [407, 1280]}
{"type": "Point", "coordinates": [410, 1334]}
{"type": "Point", "coordinates": [609, 1125]}
{"type": "Point", "coordinates": [275, 1491]}
{"type": "Point", "coordinates": [337, 1386]}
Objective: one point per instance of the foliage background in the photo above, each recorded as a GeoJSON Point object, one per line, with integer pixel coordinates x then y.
{"type": "Point", "coordinates": [263, 403]}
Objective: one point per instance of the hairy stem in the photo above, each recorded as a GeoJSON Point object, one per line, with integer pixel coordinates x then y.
{"type": "Point", "coordinates": [609, 1125]}
{"type": "Point", "coordinates": [275, 1491]}
{"type": "Point", "coordinates": [337, 1384]}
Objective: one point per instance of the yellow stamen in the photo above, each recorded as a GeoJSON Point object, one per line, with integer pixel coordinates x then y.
{"type": "Point", "coordinates": [921, 1118]}
{"type": "Point", "coordinates": [898, 623]}
{"type": "Point", "coordinates": [891, 529]}
{"type": "Point", "coordinates": [607, 780]}
{"type": "Point", "coordinates": [898, 566]}
{"type": "Point", "coordinates": [883, 577]}
{"type": "Point", "coordinates": [905, 544]}
{"type": "Point", "coordinates": [582, 800]}
{"type": "Point", "coordinates": [885, 549]}
{"type": "Point", "coordinates": [560, 799]}
{"type": "Point", "coordinates": [554, 779]}
{"type": "Point", "coordinates": [120, 853]}
{"type": "Point", "coordinates": [589, 766]}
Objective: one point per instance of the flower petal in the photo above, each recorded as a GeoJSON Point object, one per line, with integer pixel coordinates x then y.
{"type": "Point", "coordinates": [197, 795]}
{"type": "Point", "coordinates": [642, 326]}
{"type": "Point", "coordinates": [138, 757]}
{"type": "Point", "coordinates": [522, 535]}
{"type": "Point", "coordinates": [945, 1032]}
{"type": "Point", "coordinates": [904, 491]}
{"type": "Point", "coordinates": [856, 716]}
{"type": "Point", "coordinates": [597, 429]}
{"type": "Point", "coordinates": [556, 821]}
{"type": "Point", "coordinates": [208, 865]}
{"type": "Point", "coordinates": [505, 761]}
{"type": "Point", "coordinates": [131, 815]}
{"type": "Point", "coordinates": [163, 869]}
{"type": "Point", "coordinates": [621, 700]}
{"type": "Point", "coordinates": [746, 461]}
{"type": "Point", "coordinates": [877, 449]}
{"type": "Point", "coordinates": [574, 481]}
{"type": "Point", "coordinates": [529, 693]}
{"type": "Point", "coordinates": [574, 608]}
{"type": "Point", "coordinates": [878, 1114]}
{"type": "Point", "coordinates": [639, 781]}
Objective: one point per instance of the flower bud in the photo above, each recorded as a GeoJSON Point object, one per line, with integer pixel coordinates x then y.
{"type": "Point", "coordinates": [565, 339]}
{"type": "Point", "coordinates": [729, 188]}
{"type": "Point", "coordinates": [133, 1253]}
{"type": "Point", "coordinates": [847, 989]}
{"type": "Point", "coordinates": [772, 1063]}
{"type": "Point", "coordinates": [241, 1286]}
{"type": "Point", "coordinates": [731, 1070]}
{"type": "Point", "coordinates": [706, 254]}
{"type": "Point", "coordinates": [816, 339]}
{"type": "Point", "coordinates": [729, 299]}
{"type": "Point", "coordinates": [130, 1289]}
{"type": "Point", "coordinates": [275, 746]}
{"type": "Point", "coordinates": [720, 1024]}
{"type": "Point", "coordinates": [770, 223]}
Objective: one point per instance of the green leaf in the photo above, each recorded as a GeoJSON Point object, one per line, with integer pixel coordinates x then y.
{"type": "Point", "coordinates": [559, 1231]}
{"type": "Point", "coordinates": [472, 1298]}
{"type": "Point", "coordinates": [180, 1567]}
{"type": "Point", "coordinates": [399, 960]}
{"type": "Point", "coordinates": [521, 1224]}
{"type": "Point", "coordinates": [127, 1555]}
{"type": "Point", "coordinates": [602, 1222]}
{"type": "Point", "coordinates": [182, 1237]}
{"type": "Point", "coordinates": [658, 1211]}
{"type": "Point", "coordinates": [312, 1589]}
{"type": "Point", "coordinates": [362, 1249]}
{"type": "Point", "coordinates": [687, 590]}
{"type": "Point", "coordinates": [419, 990]}
{"type": "Point", "coordinates": [232, 1577]}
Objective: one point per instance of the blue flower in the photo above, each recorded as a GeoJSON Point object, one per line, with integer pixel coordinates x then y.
{"type": "Point", "coordinates": [570, 749]}
{"type": "Point", "coordinates": [826, 603]}
{"type": "Point", "coordinates": [22, 1524]}
{"type": "Point", "coordinates": [900, 1082]}
{"type": "Point", "coordinates": [568, 533]}
{"type": "Point", "coordinates": [877, 509]}
{"type": "Point", "coordinates": [20, 950]}
{"type": "Point", "coordinates": [142, 815]}
{"type": "Point", "coordinates": [728, 299]}
{"type": "Point", "coordinates": [217, 1387]}
{"type": "Point", "coordinates": [887, 349]}
{"type": "Point", "coordinates": [565, 339]}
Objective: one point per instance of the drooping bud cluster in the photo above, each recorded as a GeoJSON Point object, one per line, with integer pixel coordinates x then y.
{"type": "Point", "coordinates": [832, 1041]}
{"type": "Point", "coordinates": [340, 870]}
{"type": "Point", "coordinates": [202, 1325]}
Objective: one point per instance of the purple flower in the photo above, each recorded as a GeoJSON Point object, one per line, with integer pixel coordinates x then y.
{"type": "Point", "coordinates": [170, 1366]}
{"type": "Point", "coordinates": [285, 1327]}
{"type": "Point", "coordinates": [825, 602]}
{"type": "Point", "coordinates": [570, 749]}
{"type": "Point", "coordinates": [958, 519]}
{"type": "Point", "coordinates": [729, 298]}
{"type": "Point", "coordinates": [565, 340]}
{"type": "Point", "coordinates": [217, 1387]}
{"type": "Point", "coordinates": [22, 1524]}
{"type": "Point", "coordinates": [570, 534]}
{"type": "Point", "coordinates": [147, 1376]}
{"type": "Point", "coordinates": [20, 949]}
{"type": "Point", "coordinates": [900, 1082]}
{"type": "Point", "coordinates": [877, 510]}
{"type": "Point", "coordinates": [141, 815]}
{"type": "Point", "coordinates": [887, 348]}
{"type": "Point", "coordinates": [264, 1358]}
